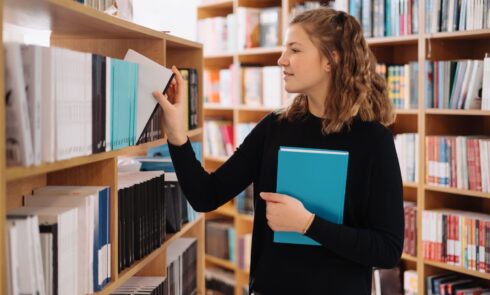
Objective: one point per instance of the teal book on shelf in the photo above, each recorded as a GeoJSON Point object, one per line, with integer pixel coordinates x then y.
{"type": "Point", "coordinates": [316, 177]}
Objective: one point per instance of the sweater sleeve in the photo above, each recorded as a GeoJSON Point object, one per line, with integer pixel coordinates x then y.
{"type": "Point", "coordinates": [381, 243]}
{"type": "Point", "coordinates": [207, 191]}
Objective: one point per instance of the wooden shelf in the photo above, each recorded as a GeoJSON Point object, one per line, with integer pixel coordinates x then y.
{"type": "Point", "coordinates": [460, 35]}
{"type": "Point", "coordinates": [228, 56]}
{"type": "Point", "coordinates": [255, 108]}
{"type": "Point", "coordinates": [246, 217]}
{"type": "Point", "coordinates": [215, 159]}
{"type": "Point", "coordinates": [221, 262]}
{"type": "Point", "coordinates": [409, 257]}
{"type": "Point", "coordinates": [410, 184]}
{"type": "Point", "coordinates": [406, 111]}
{"type": "Point", "coordinates": [19, 172]}
{"type": "Point", "coordinates": [216, 4]}
{"type": "Point", "coordinates": [140, 264]}
{"type": "Point", "coordinates": [457, 112]}
{"type": "Point", "coordinates": [195, 132]}
{"type": "Point", "coordinates": [456, 191]}
{"type": "Point", "coordinates": [260, 51]}
{"type": "Point", "coordinates": [458, 269]}
{"type": "Point", "coordinates": [71, 18]}
{"type": "Point", "coordinates": [227, 210]}
{"type": "Point", "coordinates": [388, 41]}
{"type": "Point", "coordinates": [217, 106]}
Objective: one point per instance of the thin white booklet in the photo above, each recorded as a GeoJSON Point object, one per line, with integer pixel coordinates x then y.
{"type": "Point", "coordinates": [152, 76]}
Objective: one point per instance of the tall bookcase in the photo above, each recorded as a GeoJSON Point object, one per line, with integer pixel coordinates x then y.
{"type": "Point", "coordinates": [78, 27]}
{"type": "Point", "coordinates": [419, 48]}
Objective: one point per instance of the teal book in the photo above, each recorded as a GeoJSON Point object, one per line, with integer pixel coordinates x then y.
{"type": "Point", "coordinates": [124, 94]}
{"type": "Point", "coordinates": [316, 177]}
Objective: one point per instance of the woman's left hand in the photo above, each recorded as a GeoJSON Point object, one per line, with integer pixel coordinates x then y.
{"type": "Point", "coordinates": [285, 213]}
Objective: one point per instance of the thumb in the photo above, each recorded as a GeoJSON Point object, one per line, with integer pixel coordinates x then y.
{"type": "Point", "coordinates": [271, 197]}
{"type": "Point", "coordinates": [162, 100]}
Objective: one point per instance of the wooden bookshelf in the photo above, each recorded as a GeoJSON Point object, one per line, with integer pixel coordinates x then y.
{"type": "Point", "coordinates": [221, 262]}
{"type": "Point", "coordinates": [457, 269]}
{"type": "Point", "coordinates": [418, 48]}
{"type": "Point", "coordinates": [84, 29]}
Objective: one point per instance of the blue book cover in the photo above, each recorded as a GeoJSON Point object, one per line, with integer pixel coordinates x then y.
{"type": "Point", "coordinates": [317, 178]}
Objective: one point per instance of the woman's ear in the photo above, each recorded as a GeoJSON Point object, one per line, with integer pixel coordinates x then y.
{"type": "Point", "coordinates": [326, 63]}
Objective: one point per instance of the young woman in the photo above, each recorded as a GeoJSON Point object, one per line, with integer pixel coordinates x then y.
{"type": "Point", "coordinates": [343, 106]}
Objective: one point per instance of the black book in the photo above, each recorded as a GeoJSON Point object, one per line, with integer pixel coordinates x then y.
{"type": "Point", "coordinates": [98, 103]}
{"type": "Point", "coordinates": [52, 230]}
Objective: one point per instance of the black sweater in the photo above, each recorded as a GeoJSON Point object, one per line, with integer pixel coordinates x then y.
{"type": "Point", "coordinates": [372, 233]}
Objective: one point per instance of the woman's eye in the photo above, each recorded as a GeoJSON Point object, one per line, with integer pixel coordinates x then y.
{"type": "Point", "coordinates": [294, 50]}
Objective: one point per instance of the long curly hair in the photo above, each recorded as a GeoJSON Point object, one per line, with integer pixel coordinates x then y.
{"type": "Point", "coordinates": [357, 90]}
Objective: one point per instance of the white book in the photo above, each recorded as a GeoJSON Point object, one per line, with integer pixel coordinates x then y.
{"type": "Point", "coordinates": [66, 220]}
{"type": "Point", "coordinates": [483, 159]}
{"type": "Point", "coordinates": [12, 261]}
{"type": "Point", "coordinates": [85, 205]}
{"type": "Point", "coordinates": [86, 101]}
{"type": "Point", "coordinates": [473, 101]}
{"type": "Point", "coordinates": [225, 86]}
{"type": "Point", "coordinates": [19, 140]}
{"type": "Point", "coordinates": [486, 84]}
{"type": "Point", "coordinates": [48, 107]}
{"type": "Point", "coordinates": [32, 64]}
{"type": "Point", "coordinates": [272, 86]}
{"type": "Point", "coordinates": [450, 21]}
{"type": "Point", "coordinates": [152, 77]}
{"type": "Point", "coordinates": [464, 86]}
{"type": "Point", "coordinates": [31, 279]}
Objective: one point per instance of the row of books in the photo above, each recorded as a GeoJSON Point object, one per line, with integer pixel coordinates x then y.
{"type": "Point", "coordinates": [218, 138]}
{"type": "Point", "coordinates": [407, 149]}
{"type": "Point", "coordinates": [120, 8]}
{"type": "Point", "coordinates": [454, 284]}
{"type": "Point", "coordinates": [456, 15]}
{"type": "Point", "coordinates": [247, 28]}
{"type": "Point", "coordinates": [63, 104]}
{"type": "Point", "coordinates": [220, 239]}
{"type": "Point", "coordinates": [244, 201]}
{"type": "Point", "coordinates": [402, 84]}
{"type": "Point", "coordinates": [410, 229]}
{"type": "Point", "coordinates": [461, 162]}
{"type": "Point", "coordinates": [220, 281]}
{"type": "Point", "coordinates": [461, 84]}
{"type": "Point", "coordinates": [242, 130]}
{"type": "Point", "coordinates": [141, 215]}
{"type": "Point", "coordinates": [380, 18]}
{"type": "Point", "coordinates": [59, 243]}
{"type": "Point", "coordinates": [389, 281]}
{"type": "Point", "coordinates": [244, 251]}
{"type": "Point", "coordinates": [259, 86]}
{"type": "Point", "coordinates": [143, 285]}
{"type": "Point", "coordinates": [182, 267]}
{"type": "Point", "coordinates": [457, 237]}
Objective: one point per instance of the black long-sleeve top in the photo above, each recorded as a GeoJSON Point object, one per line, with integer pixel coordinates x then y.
{"type": "Point", "coordinates": [372, 232]}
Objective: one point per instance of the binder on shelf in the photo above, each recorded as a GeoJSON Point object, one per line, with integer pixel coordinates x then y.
{"type": "Point", "coordinates": [316, 177]}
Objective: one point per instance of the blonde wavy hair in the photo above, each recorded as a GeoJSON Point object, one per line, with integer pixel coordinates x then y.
{"type": "Point", "coordinates": [358, 90]}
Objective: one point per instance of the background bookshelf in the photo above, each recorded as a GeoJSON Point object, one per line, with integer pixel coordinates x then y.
{"type": "Point", "coordinates": [78, 27]}
{"type": "Point", "coordinates": [419, 48]}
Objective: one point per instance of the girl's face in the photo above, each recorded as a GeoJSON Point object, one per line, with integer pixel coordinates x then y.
{"type": "Point", "coordinates": [305, 70]}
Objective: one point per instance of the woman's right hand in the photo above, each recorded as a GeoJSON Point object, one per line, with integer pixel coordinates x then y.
{"type": "Point", "coordinates": [173, 113]}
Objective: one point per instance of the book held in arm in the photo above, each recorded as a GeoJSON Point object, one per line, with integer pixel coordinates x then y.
{"type": "Point", "coordinates": [316, 177]}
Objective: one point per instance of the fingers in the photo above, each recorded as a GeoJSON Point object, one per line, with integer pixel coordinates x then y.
{"type": "Point", "coordinates": [272, 197]}
{"type": "Point", "coordinates": [179, 82]}
{"type": "Point", "coordinates": [162, 100]}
